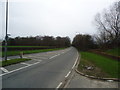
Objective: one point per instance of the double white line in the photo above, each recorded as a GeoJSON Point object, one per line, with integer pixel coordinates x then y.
{"type": "Point", "coordinates": [69, 71]}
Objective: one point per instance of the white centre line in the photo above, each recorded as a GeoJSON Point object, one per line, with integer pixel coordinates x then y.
{"type": "Point", "coordinates": [68, 74]}
{"type": "Point", "coordinates": [59, 85]}
{"type": "Point", "coordinates": [4, 70]}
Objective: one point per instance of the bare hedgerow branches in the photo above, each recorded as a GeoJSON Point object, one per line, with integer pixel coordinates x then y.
{"type": "Point", "coordinates": [108, 24]}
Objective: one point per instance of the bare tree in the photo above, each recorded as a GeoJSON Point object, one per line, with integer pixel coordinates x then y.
{"type": "Point", "coordinates": [108, 24]}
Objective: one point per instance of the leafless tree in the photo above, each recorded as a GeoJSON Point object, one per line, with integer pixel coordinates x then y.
{"type": "Point", "coordinates": [108, 24]}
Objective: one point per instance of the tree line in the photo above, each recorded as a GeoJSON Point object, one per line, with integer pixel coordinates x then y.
{"type": "Point", "coordinates": [39, 41]}
{"type": "Point", "coordinates": [84, 42]}
{"type": "Point", "coordinates": [108, 35]}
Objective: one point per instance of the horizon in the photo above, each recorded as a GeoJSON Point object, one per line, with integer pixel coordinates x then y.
{"type": "Point", "coordinates": [51, 18]}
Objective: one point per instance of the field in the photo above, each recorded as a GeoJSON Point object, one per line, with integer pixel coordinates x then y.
{"type": "Point", "coordinates": [103, 66]}
{"type": "Point", "coordinates": [15, 48]}
{"type": "Point", "coordinates": [12, 53]}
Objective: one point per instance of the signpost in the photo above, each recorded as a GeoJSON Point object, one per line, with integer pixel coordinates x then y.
{"type": "Point", "coordinates": [6, 37]}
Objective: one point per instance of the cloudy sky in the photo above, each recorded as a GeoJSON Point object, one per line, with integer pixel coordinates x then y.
{"type": "Point", "coordinates": [51, 17]}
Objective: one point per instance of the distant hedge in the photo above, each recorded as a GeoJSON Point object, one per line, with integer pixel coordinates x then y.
{"type": "Point", "coordinates": [27, 48]}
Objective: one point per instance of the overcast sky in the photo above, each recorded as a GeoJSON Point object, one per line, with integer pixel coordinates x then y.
{"type": "Point", "coordinates": [51, 17]}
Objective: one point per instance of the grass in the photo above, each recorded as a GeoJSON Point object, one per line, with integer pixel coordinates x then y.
{"type": "Point", "coordinates": [104, 67]}
{"type": "Point", "coordinates": [12, 53]}
{"type": "Point", "coordinates": [13, 61]}
{"type": "Point", "coordinates": [115, 51]}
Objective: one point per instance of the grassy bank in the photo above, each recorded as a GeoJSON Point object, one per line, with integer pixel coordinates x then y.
{"type": "Point", "coordinates": [12, 53]}
{"type": "Point", "coordinates": [102, 66]}
{"type": "Point", "coordinates": [115, 51]}
{"type": "Point", "coordinates": [13, 61]}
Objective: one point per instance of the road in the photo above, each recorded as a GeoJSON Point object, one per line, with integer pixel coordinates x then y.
{"type": "Point", "coordinates": [45, 70]}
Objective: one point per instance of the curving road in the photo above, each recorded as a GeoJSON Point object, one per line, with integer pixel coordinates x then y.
{"type": "Point", "coordinates": [45, 70]}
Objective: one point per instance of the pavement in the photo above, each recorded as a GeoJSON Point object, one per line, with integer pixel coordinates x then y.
{"type": "Point", "coordinates": [79, 81]}
{"type": "Point", "coordinates": [45, 70]}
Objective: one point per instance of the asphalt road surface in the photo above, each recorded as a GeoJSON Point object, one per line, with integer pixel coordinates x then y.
{"type": "Point", "coordinates": [45, 70]}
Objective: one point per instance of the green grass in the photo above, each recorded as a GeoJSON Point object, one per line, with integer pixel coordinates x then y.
{"type": "Point", "coordinates": [115, 51]}
{"type": "Point", "coordinates": [107, 65]}
{"type": "Point", "coordinates": [13, 61]}
{"type": "Point", "coordinates": [12, 53]}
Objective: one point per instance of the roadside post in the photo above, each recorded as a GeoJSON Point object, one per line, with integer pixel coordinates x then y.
{"type": "Point", "coordinates": [21, 55]}
{"type": "Point", "coordinates": [6, 37]}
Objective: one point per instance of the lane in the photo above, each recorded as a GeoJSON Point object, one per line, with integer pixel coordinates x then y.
{"type": "Point", "coordinates": [46, 74]}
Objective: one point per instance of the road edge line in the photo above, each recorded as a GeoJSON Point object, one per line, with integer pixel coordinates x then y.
{"type": "Point", "coordinates": [66, 80]}
{"type": "Point", "coordinates": [59, 85]}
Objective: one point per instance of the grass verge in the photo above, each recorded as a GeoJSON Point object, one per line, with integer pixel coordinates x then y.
{"type": "Point", "coordinates": [101, 66]}
{"type": "Point", "coordinates": [13, 61]}
{"type": "Point", "coordinates": [12, 53]}
{"type": "Point", "coordinates": [115, 51]}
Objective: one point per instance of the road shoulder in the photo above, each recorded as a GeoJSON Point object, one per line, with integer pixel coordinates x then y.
{"type": "Point", "coordinates": [79, 81]}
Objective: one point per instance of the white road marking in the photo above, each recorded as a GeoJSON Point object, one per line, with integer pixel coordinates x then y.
{"type": "Point", "coordinates": [18, 69]}
{"type": "Point", "coordinates": [25, 64]}
{"type": "Point", "coordinates": [68, 74]}
{"type": "Point", "coordinates": [37, 60]}
{"type": "Point", "coordinates": [47, 55]}
{"type": "Point", "coordinates": [53, 56]}
{"type": "Point", "coordinates": [58, 54]}
{"type": "Point", "coordinates": [50, 52]}
{"type": "Point", "coordinates": [36, 57]}
{"type": "Point", "coordinates": [109, 80]}
{"type": "Point", "coordinates": [59, 85]}
{"type": "Point", "coordinates": [43, 57]}
{"type": "Point", "coordinates": [4, 70]}
{"type": "Point", "coordinates": [75, 62]}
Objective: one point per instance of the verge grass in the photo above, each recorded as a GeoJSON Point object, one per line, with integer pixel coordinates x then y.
{"type": "Point", "coordinates": [115, 51]}
{"type": "Point", "coordinates": [12, 53]}
{"type": "Point", "coordinates": [107, 66]}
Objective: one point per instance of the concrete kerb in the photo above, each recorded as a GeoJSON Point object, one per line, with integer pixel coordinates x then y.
{"type": "Point", "coordinates": [93, 77]}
